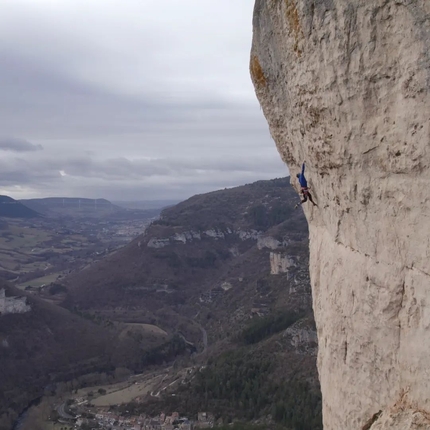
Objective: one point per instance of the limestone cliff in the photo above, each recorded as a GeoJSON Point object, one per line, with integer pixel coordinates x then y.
{"type": "Point", "coordinates": [345, 85]}
{"type": "Point", "coordinates": [12, 305]}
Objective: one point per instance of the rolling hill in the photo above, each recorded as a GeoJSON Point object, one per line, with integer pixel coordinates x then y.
{"type": "Point", "coordinates": [72, 206]}
{"type": "Point", "coordinates": [218, 283]}
{"type": "Point", "coordinates": [10, 208]}
{"type": "Point", "coordinates": [195, 248]}
{"type": "Point", "coordinates": [47, 345]}
{"type": "Point", "coordinates": [146, 204]}
{"type": "Point", "coordinates": [228, 271]}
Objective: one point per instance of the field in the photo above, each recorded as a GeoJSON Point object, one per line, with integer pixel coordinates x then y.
{"type": "Point", "coordinates": [39, 282]}
{"type": "Point", "coordinates": [148, 328]}
{"type": "Point", "coordinates": [127, 394]}
{"type": "Point", "coordinates": [25, 248]}
{"type": "Point", "coordinates": [124, 392]}
{"type": "Point", "coordinates": [35, 252]}
{"type": "Point", "coordinates": [17, 244]}
{"type": "Point", "coordinates": [22, 237]}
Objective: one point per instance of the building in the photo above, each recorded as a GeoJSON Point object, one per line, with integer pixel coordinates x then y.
{"type": "Point", "coordinates": [185, 425]}
{"type": "Point", "coordinates": [202, 416]}
{"type": "Point", "coordinates": [204, 420]}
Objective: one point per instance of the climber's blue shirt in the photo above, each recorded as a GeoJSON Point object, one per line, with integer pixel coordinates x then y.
{"type": "Point", "coordinates": [302, 179]}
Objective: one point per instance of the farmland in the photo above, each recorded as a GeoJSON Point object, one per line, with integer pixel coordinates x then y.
{"type": "Point", "coordinates": [35, 253]}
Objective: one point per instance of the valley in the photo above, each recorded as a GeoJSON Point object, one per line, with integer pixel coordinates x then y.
{"type": "Point", "coordinates": [36, 252]}
{"type": "Point", "coordinates": [208, 310]}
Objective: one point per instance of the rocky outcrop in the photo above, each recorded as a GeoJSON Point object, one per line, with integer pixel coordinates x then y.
{"type": "Point", "coordinates": [13, 305]}
{"type": "Point", "coordinates": [345, 85]}
{"type": "Point", "coordinates": [268, 242]}
{"type": "Point", "coordinates": [302, 337]}
{"type": "Point", "coordinates": [191, 236]}
{"type": "Point", "coordinates": [280, 263]}
{"type": "Point", "coordinates": [155, 242]}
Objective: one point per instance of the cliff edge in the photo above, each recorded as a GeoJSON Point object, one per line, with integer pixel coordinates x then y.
{"type": "Point", "coordinates": [345, 85]}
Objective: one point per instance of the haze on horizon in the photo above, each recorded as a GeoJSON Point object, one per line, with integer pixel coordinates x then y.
{"type": "Point", "coordinates": [135, 100]}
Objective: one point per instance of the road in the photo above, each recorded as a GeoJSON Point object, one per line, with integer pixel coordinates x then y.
{"type": "Point", "coordinates": [63, 414]}
{"type": "Point", "coordinates": [167, 386]}
{"type": "Point", "coordinates": [205, 338]}
{"type": "Point", "coordinates": [204, 333]}
{"type": "Point", "coordinates": [205, 345]}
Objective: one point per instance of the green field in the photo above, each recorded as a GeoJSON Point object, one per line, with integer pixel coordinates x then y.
{"type": "Point", "coordinates": [22, 238]}
{"type": "Point", "coordinates": [24, 249]}
{"type": "Point", "coordinates": [38, 282]}
{"type": "Point", "coordinates": [127, 394]}
{"type": "Point", "coordinates": [125, 391]}
{"type": "Point", "coordinates": [17, 248]}
{"type": "Point", "coordinates": [149, 328]}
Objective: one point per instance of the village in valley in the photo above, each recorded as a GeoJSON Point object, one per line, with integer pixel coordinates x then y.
{"type": "Point", "coordinates": [104, 418]}
{"type": "Point", "coordinates": [121, 406]}
{"type": "Point", "coordinates": [38, 252]}
{"type": "Point", "coordinates": [108, 420]}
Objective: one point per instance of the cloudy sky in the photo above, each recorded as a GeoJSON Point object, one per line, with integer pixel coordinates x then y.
{"type": "Point", "coordinates": [129, 100]}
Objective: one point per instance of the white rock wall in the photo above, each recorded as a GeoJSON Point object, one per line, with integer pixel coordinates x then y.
{"type": "Point", "coordinates": [280, 263]}
{"type": "Point", "coordinates": [13, 305]}
{"type": "Point", "coordinates": [345, 85]}
{"type": "Point", "coordinates": [190, 236]}
{"type": "Point", "coordinates": [268, 242]}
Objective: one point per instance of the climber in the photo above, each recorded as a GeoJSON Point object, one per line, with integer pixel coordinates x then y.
{"type": "Point", "coordinates": [305, 189]}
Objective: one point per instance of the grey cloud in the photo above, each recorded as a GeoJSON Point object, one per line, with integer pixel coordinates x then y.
{"type": "Point", "coordinates": [18, 145]}
{"type": "Point", "coordinates": [140, 101]}
{"type": "Point", "coordinates": [170, 169]}
{"type": "Point", "coordinates": [20, 171]}
{"type": "Point", "coordinates": [118, 169]}
{"type": "Point", "coordinates": [120, 177]}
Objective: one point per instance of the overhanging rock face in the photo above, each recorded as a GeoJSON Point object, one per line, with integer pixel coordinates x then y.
{"type": "Point", "coordinates": [345, 85]}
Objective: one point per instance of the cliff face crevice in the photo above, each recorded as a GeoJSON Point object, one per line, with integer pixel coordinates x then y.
{"type": "Point", "coordinates": [345, 86]}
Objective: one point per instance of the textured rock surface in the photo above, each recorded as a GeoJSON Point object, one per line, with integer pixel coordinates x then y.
{"type": "Point", "coordinates": [268, 242]}
{"type": "Point", "coordinates": [280, 263]}
{"type": "Point", "coordinates": [13, 305]}
{"type": "Point", "coordinates": [345, 85]}
{"type": "Point", "coordinates": [190, 236]}
{"type": "Point", "coordinates": [302, 337]}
